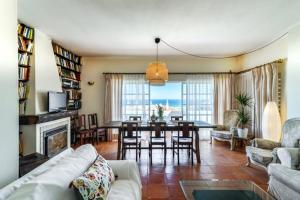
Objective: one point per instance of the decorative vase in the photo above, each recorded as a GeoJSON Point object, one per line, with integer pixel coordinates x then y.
{"type": "Point", "coordinates": [153, 117]}
{"type": "Point", "coordinates": [243, 132]}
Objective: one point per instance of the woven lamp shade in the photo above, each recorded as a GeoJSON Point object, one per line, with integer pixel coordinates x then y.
{"type": "Point", "coordinates": [157, 73]}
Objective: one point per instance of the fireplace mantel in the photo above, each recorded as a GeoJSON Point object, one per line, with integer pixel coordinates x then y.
{"type": "Point", "coordinates": [47, 117]}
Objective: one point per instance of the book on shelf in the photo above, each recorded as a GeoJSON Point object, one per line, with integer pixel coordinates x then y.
{"type": "Point", "coordinates": [66, 54]}
{"type": "Point", "coordinates": [67, 64]}
{"type": "Point", "coordinates": [24, 73]}
{"type": "Point", "coordinates": [25, 31]}
{"type": "Point", "coordinates": [70, 84]}
{"type": "Point", "coordinates": [23, 90]}
{"type": "Point", "coordinates": [23, 59]}
{"type": "Point", "coordinates": [25, 45]}
{"type": "Point", "coordinates": [69, 74]}
{"type": "Point", "coordinates": [22, 108]}
{"type": "Point", "coordinates": [73, 94]}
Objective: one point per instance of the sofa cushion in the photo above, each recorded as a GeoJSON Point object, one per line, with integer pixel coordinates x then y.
{"type": "Point", "coordinates": [96, 181]}
{"type": "Point", "coordinates": [125, 190]}
{"type": "Point", "coordinates": [285, 175]}
{"type": "Point", "coordinates": [55, 181]}
{"type": "Point", "coordinates": [262, 156]}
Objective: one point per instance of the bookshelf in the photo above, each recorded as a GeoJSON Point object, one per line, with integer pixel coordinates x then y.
{"type": "Point", "coordinates": [25, 52]}
{"type": "Point", "coordinates": [69, 68]}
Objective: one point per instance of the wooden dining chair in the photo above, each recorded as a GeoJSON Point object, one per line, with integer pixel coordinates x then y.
{"type": "Point", "coordinates": [176, 118]}
{"type": "Point", "coordinates": [130, 138]}
{"type": "Point", "coordinates": [97, 131]}
{"type": "Point", "coordinates": [81, 132]}
{"type": "Point", "coordinates": [135, 118]}
{"type": "Point", "coordinates": [184, 139]}
{"type": "Point", "coordinates": [157, 139]}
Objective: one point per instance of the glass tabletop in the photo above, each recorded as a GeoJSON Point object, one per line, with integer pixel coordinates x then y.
{"type": "Point", "coordinates": [222, 189]}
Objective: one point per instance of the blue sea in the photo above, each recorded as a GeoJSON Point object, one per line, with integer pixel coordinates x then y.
{"type": "Point", "coordinates": [164, 102]}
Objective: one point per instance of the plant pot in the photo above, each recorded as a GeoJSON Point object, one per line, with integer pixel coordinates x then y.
{"type": "Point", "coordinates": [242, 132]}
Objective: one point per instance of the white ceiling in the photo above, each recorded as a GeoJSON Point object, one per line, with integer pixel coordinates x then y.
{"type": "Point", "coordinates": [128, 27]}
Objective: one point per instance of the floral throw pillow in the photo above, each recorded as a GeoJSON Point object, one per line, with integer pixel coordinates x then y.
{"type": "Point", "coordinates": [95, 183]}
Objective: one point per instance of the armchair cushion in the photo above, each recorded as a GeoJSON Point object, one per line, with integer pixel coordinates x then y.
{"type": "Point", "coordinates": [227, 135]}
{"type": "Point", "coordinates": [288, 177]}
{"type": "Point", "coordinates": [289, 157]}
{"type": "Point", "coordinates": [262, 156]}
{"type": "Point", "coordinates": [264, 144]}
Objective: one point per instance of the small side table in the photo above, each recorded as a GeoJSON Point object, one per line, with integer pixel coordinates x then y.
{"type": "Point", "coordinates": [30, 162]}
{"type": "Point", "coordinates": [236, 139]}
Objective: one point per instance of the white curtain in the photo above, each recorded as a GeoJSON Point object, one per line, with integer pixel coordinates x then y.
{"type": "Point", "coordinates": [265, 88]}
{"type": "Point", "coordinates": [113, 99]}
{"type": "Point", "coordinates": [223, 94]}
{"type": "Point", "coordinates": [243, 84]}
{"type": "Point", "coordinates": [135, 96]}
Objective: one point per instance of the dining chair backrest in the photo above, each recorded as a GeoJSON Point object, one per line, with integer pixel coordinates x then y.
{"type": "Point", "coordinates": [80, 123]}
{"type": "Point", "coordinates": [176, 118]}
{"type": "Point", "coordinates": [129, 130]}
{"type": "Point", "coordinates": [158, 128]}
{"type": "Point", "coordinates": [135, 118]}
{"type": "Point", "coordinates": [93, 121]}
{"type": "Point", "coordinates": [186, 128]}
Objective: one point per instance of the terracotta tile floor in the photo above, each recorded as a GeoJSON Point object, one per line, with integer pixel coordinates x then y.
{"type": "Point", "coordinates": [217, 162]}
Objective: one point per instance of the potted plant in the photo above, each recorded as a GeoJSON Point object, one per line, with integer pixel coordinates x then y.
{"type": "Point", "coordinates": [160, 112]}
{"type": "Point", "coordinates": [244, 102]}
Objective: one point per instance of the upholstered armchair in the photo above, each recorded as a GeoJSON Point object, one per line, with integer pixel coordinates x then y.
{"type": "Point", "coordinates": [284, 182]}
{"type": "Point", "coordinates": [262, 152]}
{"type": "Point", "coordinates": [226, 131]}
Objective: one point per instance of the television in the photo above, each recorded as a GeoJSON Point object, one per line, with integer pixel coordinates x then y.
{"type": "Point", "coordinates": [57, 101]}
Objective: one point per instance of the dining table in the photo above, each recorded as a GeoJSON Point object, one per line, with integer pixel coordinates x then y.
{"type": "Point", "coordinates": [170, 126]}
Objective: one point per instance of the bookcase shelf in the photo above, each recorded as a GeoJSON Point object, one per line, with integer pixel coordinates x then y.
{"type": "Point", "coordinates": [69, 68]}
{"type": "Point", "coordinates": [25, 51]}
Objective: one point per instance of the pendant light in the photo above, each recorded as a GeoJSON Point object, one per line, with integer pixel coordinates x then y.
{"type": "Point", "coordinates": [157, 72]}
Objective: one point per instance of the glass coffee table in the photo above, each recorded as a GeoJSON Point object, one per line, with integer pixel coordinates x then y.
{"type": "Point", "coordinates": [223, 190]}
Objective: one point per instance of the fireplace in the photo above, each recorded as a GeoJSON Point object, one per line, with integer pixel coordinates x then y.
{"type": "Point", "coordinates": [55, 140]}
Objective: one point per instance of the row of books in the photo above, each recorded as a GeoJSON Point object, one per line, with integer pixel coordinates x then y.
{"type": "Point", "coordinates": [74, 104]}
{"type": "Point", "coordinates": [23, 59]}
{"type": "Point", "coordinates": [69, 74]}
{"type": "Point", "coordinates": [70, 84]}
{"type": "Point", "coordinates": [70, 56]}
{"type": "Point", "coordinates": [22, 108]}
{"type": "Point", "coordinates": [25, 31]}
{"type": "Point", "coordinates": [73, 94]}
{"type": "Point", "coordinates": [24, 73]}
{"type": "Point", "coordinates": [23, 90]}
{"type": "Point", "coordinates": [68, 64]}
{"type": "Point", "coordinates": [25, 45]}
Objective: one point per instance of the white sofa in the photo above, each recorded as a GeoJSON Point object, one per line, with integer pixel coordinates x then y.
{"type": "Point", "coordinates": [51, 180]}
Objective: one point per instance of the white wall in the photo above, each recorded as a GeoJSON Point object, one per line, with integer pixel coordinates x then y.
{"type": "Point", "coordinates": [275, 51]}
{"type": "Point", "coordinates": [93, 67]}
{"type": "Point", "coordinates": [9, 135]}
{"type": "Point", "coordinates": [44, 75]}
{"type": "Point", "coordinates": [293, 73]}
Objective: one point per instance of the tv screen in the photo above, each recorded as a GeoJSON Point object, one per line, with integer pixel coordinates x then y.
{"type": "Point", "coordinates": [57, 101]}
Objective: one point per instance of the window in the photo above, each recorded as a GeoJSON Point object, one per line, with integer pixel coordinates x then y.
{"type": "Point", "coordinates": [169, 96]}
{"type": "Point", "coordinates": [193, 98]}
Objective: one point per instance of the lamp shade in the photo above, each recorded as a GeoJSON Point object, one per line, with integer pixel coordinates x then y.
{"type": "Point", "coordinates": [271, 123]}
{"type": "Point", "coordinates": [157, 73]}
